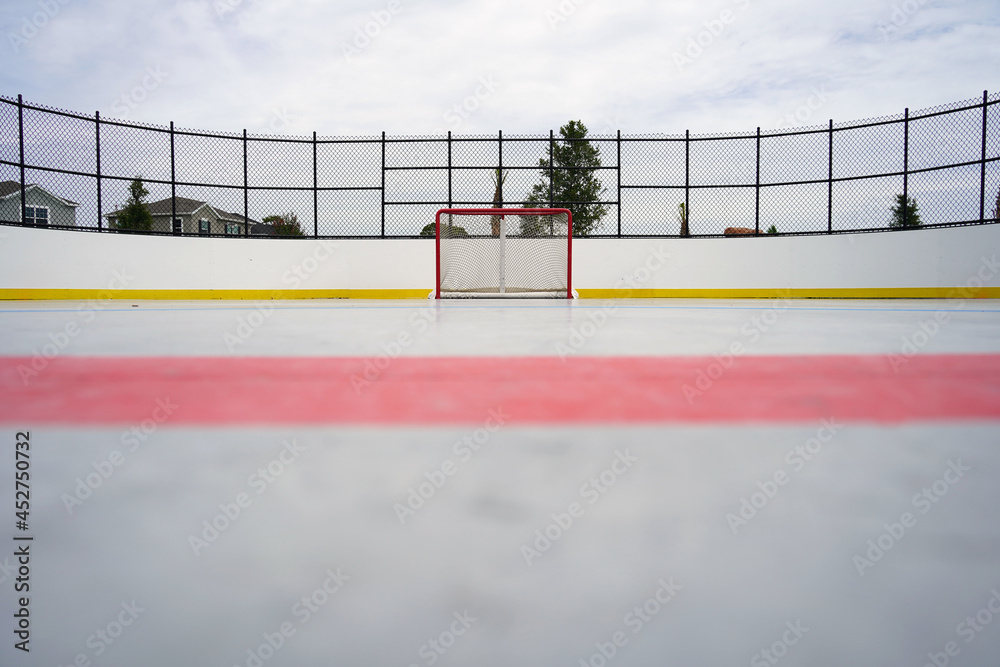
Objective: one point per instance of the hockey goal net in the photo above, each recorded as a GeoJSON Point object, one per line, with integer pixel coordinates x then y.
{"type": "Point", "coordinates": [504, 252]}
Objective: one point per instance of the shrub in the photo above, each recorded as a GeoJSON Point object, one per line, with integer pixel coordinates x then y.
{"type": "Point", "coordinates": [286, 224]}
{"type": "Point", "coordinates": [430, 229]}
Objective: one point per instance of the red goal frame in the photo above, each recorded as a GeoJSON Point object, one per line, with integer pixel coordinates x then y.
{"type": "Point", "coordinates": [503, 212]}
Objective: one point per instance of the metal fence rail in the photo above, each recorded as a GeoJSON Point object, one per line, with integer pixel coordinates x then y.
{"type": "Point", "coordinates": [835, 178]}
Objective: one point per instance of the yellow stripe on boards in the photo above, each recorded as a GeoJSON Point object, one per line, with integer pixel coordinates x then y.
{"type": "Point", "coordinates": [795, 293]}
{"type": "Point", "coordinates": [207, 294]}
{"type": "Point", "coordinates": [265, 295]}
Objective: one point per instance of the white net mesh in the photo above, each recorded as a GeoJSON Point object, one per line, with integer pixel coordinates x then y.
{"type": "Point", "coordinates": [521, 253]}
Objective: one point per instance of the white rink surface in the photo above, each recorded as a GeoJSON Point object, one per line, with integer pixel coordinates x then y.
{"type": "Point", "coordinates": [480, 327]}
{"type": "Point", "coordinates": [665, 517]}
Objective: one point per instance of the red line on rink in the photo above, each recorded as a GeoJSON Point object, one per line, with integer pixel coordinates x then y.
{"type": "Point", "coordinates": [542, 390]}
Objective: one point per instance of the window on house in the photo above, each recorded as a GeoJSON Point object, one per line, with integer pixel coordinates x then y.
{"type": "Point", "coordinates": [232, 229]}
{"type": "Point", "coordinates": [178, 226]}
{"type": "Point", "coordinates": [203, 227]}
{"type": "Point", "coordinates": [36, 215]}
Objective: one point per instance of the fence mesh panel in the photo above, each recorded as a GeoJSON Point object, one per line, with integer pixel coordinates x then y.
{"type": "Point", "coordinates": [9, 141]}
{"type": "Point", "coordinates": [115, 194]}
{"type": "Point", "coordinates": [280, 164]}
{"type": "Point", "coordinates": [649, 209]}
{"type": "Point", "coordinates": [794, 158]}
{"type": "Point", "coordinates": [409, 220]}
{"type": "Point", "coordinates": [946, 195]}
{"type": "Point", "coordinates": [991, 200]}
{"type": "Point", "coordinates": [209, 160]}
{"type": "Point", "coordinates": [865, 203]}
{"type": "Point", "coordinates": [868, 151]}
{"type": "Point", "coordinates": [946, 140]}
{"type": "Point", "coordinates": [524, 153]}
{"type": "Point", "coordinates": [712, 210]}
{"type": "Point", "coordinates": [10, 205]}
{"type": "Point", "coordinates": [652, 162]}
{"type": "Point", "coordinates": [56, 140]}
{"type": "Point", "coordinates": [794, 208]}
{"type": "Point", "coordinates": [350, 213]}
{"type": "Point", "coordinates": [345, 165]}
{"type": "Point", "coordinates": [289, 205]}
{"type": "Point", "coordinates": [131, 151]}
{"type": "Point", "coordinates": [724, 162]}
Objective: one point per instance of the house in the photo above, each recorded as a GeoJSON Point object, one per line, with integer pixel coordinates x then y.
{"type": "Point", "coordinates": [192, 217]}
{"type": "Point", "coordinates": [42, 208]}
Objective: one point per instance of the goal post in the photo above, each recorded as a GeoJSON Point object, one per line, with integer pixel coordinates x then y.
{"type": "Point", "coordinates": [504, 253]}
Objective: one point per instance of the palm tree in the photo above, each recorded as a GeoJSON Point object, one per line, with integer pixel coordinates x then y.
{"type": "Point", "coordinates": [498, 181]}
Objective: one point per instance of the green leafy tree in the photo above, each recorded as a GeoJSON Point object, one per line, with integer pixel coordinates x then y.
{"type": "Point", "coordinates": [574, 162]}
{"type": "Point", "coordinates": [134, 215]}
{"type": "Point", "coordinates": [904, 213]}
{"type": "Point", "coordinates": [286, 224]}
{"type": "Point", "coordinates": [772, 230]}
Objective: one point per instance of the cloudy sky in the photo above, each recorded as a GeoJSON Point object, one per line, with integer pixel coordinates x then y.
{"type": "Point", "coordinates": [524, 66]}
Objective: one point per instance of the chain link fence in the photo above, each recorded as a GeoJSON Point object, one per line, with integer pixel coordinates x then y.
{"type": "Point", "coordinates": [76, 171]}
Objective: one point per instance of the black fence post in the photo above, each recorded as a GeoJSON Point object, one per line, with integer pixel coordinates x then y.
{"type": "Point", "coordinates": [449, 169]}
{"type": "Point", "coordinates": [315, 191]}
{"type": "Point", "coordinates": [246, 189]}
{"type": "Point", "coordinates": [97, 142]}
{"type": "Point", "coordinates": [619, 183]}
{"type": "Point", "coordinates": [552, 144]}
{"type": "Point", "coordinates": [20, 134]}
{"type": "Point", "coordinates": [982, 165]}
{"type": "Point", "coordinates": [173, 182]}
{"type": "Point", "coordinates": [906, 164]}
{"type": "Point", "coordinates": [687, 178]}
{"type": "Point", "coordinates": [383, 184]}
{"type": "Point", "coordinates": [500, 165]}
{"type": "Point", "coordinates": [756, 214]}
{"type": "Point", "coordinates": [829, 183]}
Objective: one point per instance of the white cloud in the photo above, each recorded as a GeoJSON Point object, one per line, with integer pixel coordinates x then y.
{"type": "Point", "coordinates": [604, 62]}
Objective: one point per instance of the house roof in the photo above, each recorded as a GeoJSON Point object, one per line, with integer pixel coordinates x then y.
{"type": "Point", "coordinates": [236, 217]}
{"type": "Point", "coordinates": [185, 206]}
{"type": "Point", "coordinates": [11, 188]}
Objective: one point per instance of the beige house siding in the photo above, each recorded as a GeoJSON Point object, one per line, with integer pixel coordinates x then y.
{"type": "Point", "coordinates": [61, 213]}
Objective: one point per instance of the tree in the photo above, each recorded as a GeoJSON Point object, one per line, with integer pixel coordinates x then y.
{"type": "Point", "coordinates": [904, 213]}
{"type": "Point", "coordinates": [134, 215]}
{"type": "Point", "coordinates": [286, 224]}
{"type": "Point", "coordinates": [772, 230]}
{"type": "Point", "coordinates": [574, 161]}
{"type": "Point", "coordinates": [499, 178]}
{"type": "Point", "coordinates": [682, 214]}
